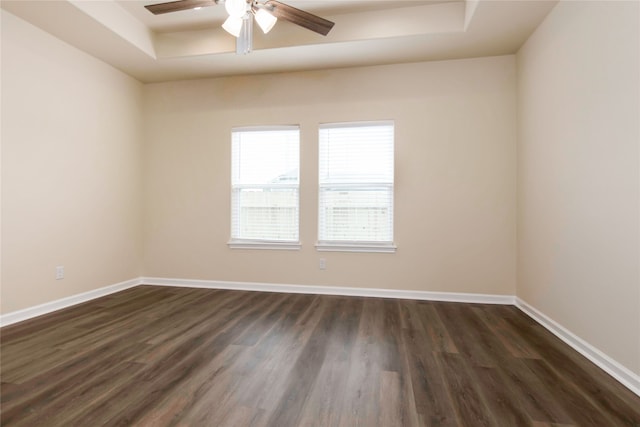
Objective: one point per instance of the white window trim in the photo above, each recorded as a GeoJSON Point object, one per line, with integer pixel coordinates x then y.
{"type": "Point", "coordinates": [264, 128]}
{"type": "Point", "coordinates": [263, 244]}
{"type": "Point", "coordinates": [362, 123]}
{"type": "Point", "coordinates": [259, 243]}
{"type": "Point", "coordinates": [368, 247]}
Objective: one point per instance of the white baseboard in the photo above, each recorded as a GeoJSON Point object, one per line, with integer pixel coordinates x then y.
{"type": "Point", "coordinates": [333, 290]}
{"type": "Point", "coordinates": [616, 370]}
{"type": "Point", "coordinates": [39, 310]}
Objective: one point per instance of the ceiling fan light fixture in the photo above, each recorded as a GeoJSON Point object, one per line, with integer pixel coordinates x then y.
{"type": "Point", "coordinates": [233, 25]}
{"type": "Point", "coordinates": [242, 13]}
{"type": "Point", "coordinates": [236, 8]}
{"type": "Point", "coordinates": [265, 20]}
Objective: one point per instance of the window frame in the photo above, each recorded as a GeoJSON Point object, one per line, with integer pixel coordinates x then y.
{"type": "Point", "coordinates": [269, 244]}
{"type": "Point", "coordinates": [357, 245]}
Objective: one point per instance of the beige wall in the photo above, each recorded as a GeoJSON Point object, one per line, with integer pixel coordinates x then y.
{"type": "Point", "coordinates": [455, 174]}
{"type": "Point", "coordinates": [71, 132]}
{"type": "Point", "coordinates": [578, 174]}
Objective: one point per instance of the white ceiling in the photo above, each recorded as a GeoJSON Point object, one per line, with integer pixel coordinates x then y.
{"type": "Point", "coordinates": [190, 44]}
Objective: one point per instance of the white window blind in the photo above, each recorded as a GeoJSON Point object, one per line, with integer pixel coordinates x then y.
{"type": "Point", "coordinates": [265, 186]}
{"type": "Point", "coordinates": [356, 186]}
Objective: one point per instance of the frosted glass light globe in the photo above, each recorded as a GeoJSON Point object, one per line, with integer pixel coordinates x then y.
{"type": "Point", "coordinates": [265, 20]}
{"type": "Point", "coordinates": [236, 8]}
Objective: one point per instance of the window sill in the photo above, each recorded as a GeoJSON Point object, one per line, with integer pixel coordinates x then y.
{"type": "Point", "coordinates": [252, 244]}
{"type": "Point", "coordinates": [385, 248]}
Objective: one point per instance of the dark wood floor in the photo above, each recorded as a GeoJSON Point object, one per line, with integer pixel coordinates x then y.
{"type": "Point", "coordinates": [155, 356]}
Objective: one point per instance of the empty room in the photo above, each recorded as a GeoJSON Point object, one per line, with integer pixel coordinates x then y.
{"type": "Point", "coordinates": [320, 213]}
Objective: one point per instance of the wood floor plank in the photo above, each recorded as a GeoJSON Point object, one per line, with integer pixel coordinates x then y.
{"type": "Point", "coordinates": [237, 376]}
{"type": "Point", "coordinates": [362, 392]}
{"type": "Point", "coordinates": [161, 356]}
{"type": "Point", "coordinates": [324, 404]}
{"type": "Point", "coordinates": [469, 338]}
{"type": "Point", "coordinates": [193, 359]}
{"type": "Point", "coordinates": [545, 424]}
{"type": "Point", "coordinates": [190, 402]}
{"type": "Point", "coordinates": [306, 369]}
{"type": "Point", "coordinates": [580, 407]}
{"type": "Point", "coordinates": [531, 394]}
{"type": "Point", "coordinates": [516, 345]}
{"type": "Point", "coordinates": [469, 403]}
{"type": "Point", "coordinates": [391, 402]}
{"type": "Point", "coordinates": [279, 351]}
{"type": "Point", "coordinates": [65, 406]}
{"type": "Point", "coordinates": [156, 380]}
{"type": "Point", "coordinates": [433, 325]}
{"type": "Point", "coordinates": [430, 393]}
{"type": "Point", "coordinates": [498, 396]}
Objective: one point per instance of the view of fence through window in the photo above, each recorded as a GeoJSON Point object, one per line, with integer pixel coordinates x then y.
{"type": "Point", "coordinates": [265, 184]}
{"type": "Point", "coordinates": [356, 182]}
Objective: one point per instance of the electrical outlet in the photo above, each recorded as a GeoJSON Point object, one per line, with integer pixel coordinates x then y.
{"type": "Point", "coordinates": [60, 272]}
{"type": "Point", "coordinates": [322, 264]}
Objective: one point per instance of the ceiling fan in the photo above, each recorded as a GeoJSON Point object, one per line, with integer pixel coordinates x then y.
{"type": "Point", "coordinates": [242, 14]}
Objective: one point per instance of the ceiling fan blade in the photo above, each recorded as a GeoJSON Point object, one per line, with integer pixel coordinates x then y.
{"type": "Point", "coordinates": [175, 6]}
{"type": "Point", "coordinates": [299, 17]}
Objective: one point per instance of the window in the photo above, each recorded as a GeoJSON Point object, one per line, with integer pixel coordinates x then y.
{"type": "Point", "coordinates": [265, 187]}
{"type": "Point", "coordinates": [356, 187]}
